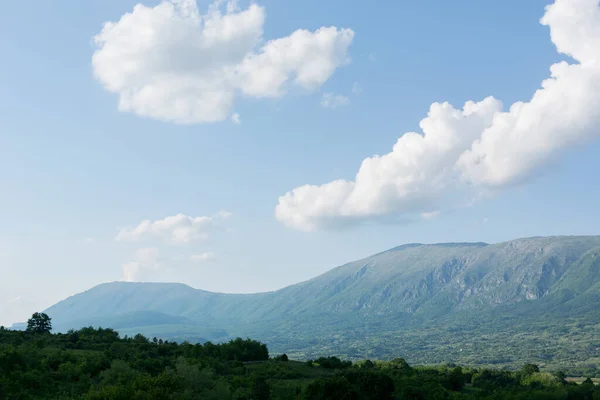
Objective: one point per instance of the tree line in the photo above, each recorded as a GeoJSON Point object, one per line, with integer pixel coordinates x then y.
{"type": "Point", "coordinates": [96, 363]}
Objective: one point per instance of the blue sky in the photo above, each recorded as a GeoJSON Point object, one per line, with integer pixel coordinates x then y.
{"type": "Point", "coordinates": [76, 170]}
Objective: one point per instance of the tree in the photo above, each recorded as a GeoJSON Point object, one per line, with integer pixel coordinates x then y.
{"type": "Point", "coordinates": [333, 362]}
{"type": "Point", "coordinates": [368, 364]}
{"type": "Point", "coordinates": [139, 338]}
{"type": "Point", "coordinates": [335, 387]}
{"type": "Point", "coordinates": [73, 336]}
{"type": "Point", "coordinates": [561, 376]}
{"type": "Point", "coordinates": [529, 369]}
{"type": "Point", "coordinates": [370, 384]}
{"type": "Point", "coordinates": [456, 379]}
{"type": "Point", "coordinates": [260, 389]}
{"type": "Point", "coordinates": [39, 323]}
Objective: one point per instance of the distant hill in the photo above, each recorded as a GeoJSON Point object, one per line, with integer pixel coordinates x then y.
{"type": "Point", "coordinates": [534, 299]}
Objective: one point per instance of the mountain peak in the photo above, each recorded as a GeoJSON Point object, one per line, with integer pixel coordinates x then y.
{"type": "Point", "coordinates": [446, 244]}
{"type": "Point", "coordinates": [410, 285]}
{"type": "Point", "coordinates": [160, 285]}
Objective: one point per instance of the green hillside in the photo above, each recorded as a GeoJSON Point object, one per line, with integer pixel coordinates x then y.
{"type": "Point", "coordinates": [527, 300]}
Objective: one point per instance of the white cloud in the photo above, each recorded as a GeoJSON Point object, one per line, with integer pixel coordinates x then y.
{"type": "Point", "coordinates": [485, 220]}
{"type": "Point", "coordinates": [224, 214]}
{"type": "Point", "coordinates": [146, 259]}
{"type": "Point", "coordinates": [202, 257]}
{"type": "Point", "coordinates": [14, 300]}
{"type": "Point", "coordinates": [356, 88]}
{"type": "Point", "coordinates": [179, 229]}
{"type": "Point", "coordinates": [409, 180]}
{"type": "Point", "coordinates": [172, 63]}
{"type": "Point", "coordinates": [462, 153]}
{"type": "Point", "coordinates": [89, 240]}
{"type": "Point", "coordinates": [235, 118]}
{"type": "Point", "coordinates": [332, 100]}
{"type": "Point", "coordinates": [430, 214]}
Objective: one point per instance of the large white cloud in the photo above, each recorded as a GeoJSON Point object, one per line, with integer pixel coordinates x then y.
{"type": "Point", "coordinates": [172, 63]}
{"type": "Point", "coordinates": [144, 260]}
{"type": "Point", "coordinates": [177, 229]}
{"type": "Point", "coordinates": [461, 153]}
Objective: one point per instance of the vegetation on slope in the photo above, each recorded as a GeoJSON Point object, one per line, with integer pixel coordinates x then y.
{"type": "Point", "coordinates": [97, 364]}
{"type": "Point", "coordinates": [501, 305]}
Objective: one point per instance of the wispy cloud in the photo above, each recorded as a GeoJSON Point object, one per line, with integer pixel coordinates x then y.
{"type": "Point", "coordinates": [144, 260]}
{"type": "Point", "coordinates": [332, 100]}
{"type": "Point", "coordinates": [178, 229]}
{"type": "Point", "coordinates": [202, 257]}
{"type": "Point", "coordinates": [430, 214]}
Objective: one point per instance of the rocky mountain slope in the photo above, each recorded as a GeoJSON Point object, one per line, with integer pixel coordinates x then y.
{"type": "Point", "coordinates": [371, 305]}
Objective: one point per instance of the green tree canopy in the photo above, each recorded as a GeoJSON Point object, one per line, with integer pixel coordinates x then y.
{"type": "Point", "coordinates": [39, 323]}
{"type": "Point", "coordinates": [529, 369]}
{"type": "Point", "coordinates": [281, 357]}
{"type": "Point", "coordinates": [260, 389]}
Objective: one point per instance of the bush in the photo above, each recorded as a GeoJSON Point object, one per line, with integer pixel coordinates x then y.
{"type": "Point", "coordinates": [333, 363]}
{"type": "Point", "coordinates": [282, 357]}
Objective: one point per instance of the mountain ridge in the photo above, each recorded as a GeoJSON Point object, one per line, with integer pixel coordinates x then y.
{"type": "Point", "coordinates": [407, 289]}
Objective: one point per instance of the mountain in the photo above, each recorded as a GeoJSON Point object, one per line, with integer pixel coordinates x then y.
{"type": "Point", "coordinates": [534, 299]}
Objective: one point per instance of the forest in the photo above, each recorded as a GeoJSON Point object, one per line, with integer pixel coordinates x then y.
{"type": "Point", "coordinates": [96, 363]}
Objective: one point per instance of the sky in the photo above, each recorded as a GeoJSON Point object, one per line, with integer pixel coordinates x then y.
{"type": "Point", "coordinates": [242, 147]}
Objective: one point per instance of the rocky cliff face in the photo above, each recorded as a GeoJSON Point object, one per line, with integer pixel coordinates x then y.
{"type": "Point", "coordinates": [424, 279]}
{"type": "Point", "coordinates": [408, 283]}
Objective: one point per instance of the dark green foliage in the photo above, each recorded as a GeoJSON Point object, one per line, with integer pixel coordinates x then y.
{"type": "Point", "coordinates": [332, 362]}
{"type": "Point", "coordinates": [400, 364]}
{"type": "Point", "coordinates": [529, 369]}
{"type": "Point", "coordinates": [371, 384]}
{"type": "Point", "coordinates": [457, 379]}
{"type": "Point", "coordinates": [96, 364]}
{"type": "Point", "coordinates": [281, 357]}
{"type": "Point", "coordinates": [561, 376]}
{"type": "Point", "coordinates": [39, 323]}
{"type": "Point", "coordinates": [243, 350]}
{"type": "Point", "coordinates": [488, 379]}
{"type": "Point", "coordinates": [260, 389]}
{"type": "Point", "coordinates": [336, 387]}
{"type": "Point", "coordinates": [359, 384]}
